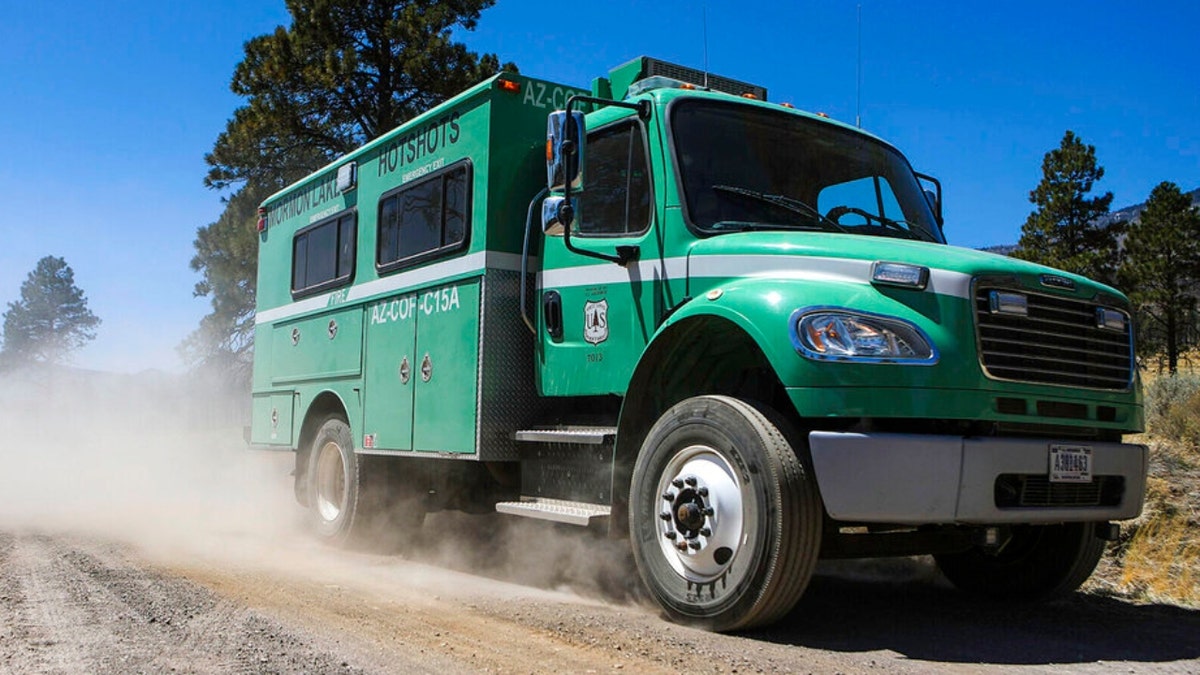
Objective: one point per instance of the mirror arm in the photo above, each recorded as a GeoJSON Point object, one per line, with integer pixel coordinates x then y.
{"type": "Point", "coordinates": [566, 212]}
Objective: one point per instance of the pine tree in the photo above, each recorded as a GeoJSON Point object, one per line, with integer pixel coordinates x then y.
{"type": "Point", "coordinates": [50, 320]}
{"type": "Point", "coordinates": [1062, 231]}
{"type": "Point", "coordinates": [1161, 268]}
{"type": "Point", "coordinates": [226, 257]}
{"type": "Point", "coordinates": [343, 73]}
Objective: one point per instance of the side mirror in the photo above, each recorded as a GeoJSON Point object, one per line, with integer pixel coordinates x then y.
{"type": "Point", "coordinates": [557, 215]}
{"type": "Point", "coordinates": [564, 150]}
{"type": "Point", "coordinates": [932, 188]}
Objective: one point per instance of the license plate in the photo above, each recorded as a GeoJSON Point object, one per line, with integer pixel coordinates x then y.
{"type": "Point", "coordinates": [1070, 464]}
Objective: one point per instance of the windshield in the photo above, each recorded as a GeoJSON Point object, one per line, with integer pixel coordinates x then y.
{"type": "Point", "coordinates": [744, 167]}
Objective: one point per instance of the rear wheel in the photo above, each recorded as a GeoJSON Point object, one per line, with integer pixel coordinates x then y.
{"type": "Point", "coordinates": [334, 481]}
{"type": "Point", "coordinates": [1040, 562]}
{"type": "Point", "coordinates": [725, 519]}
{"type": "Point", "coordinates": [356, 499]}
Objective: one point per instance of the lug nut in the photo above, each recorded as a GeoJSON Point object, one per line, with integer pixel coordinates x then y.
{"type": "Point", "coordinates": [677, 483]}
{"type": "Point", "coordinates": [702, 491]}
{"type": "Point", "coordinates": [670, 534]}
{"type": "Point", "coordinates": [694, 545]}
{"type": "Point", "coordinates": [705, 532]}
{"type": "Point", "coordinates": [708, 511]}
{"type": "Point", "coordinates": [682, 546]}
{"type": "Point", "coordinates": [665, 515]}
{"type": "Point", "coordinates": [668, 496]}
{"type": "Point", "coordinates": [690, 480]}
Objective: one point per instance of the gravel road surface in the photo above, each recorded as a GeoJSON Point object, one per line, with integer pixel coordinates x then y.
{"type": "Point", "coordinates": [76, 603]}
{"type": "Point", "coordinates": [132, 545]}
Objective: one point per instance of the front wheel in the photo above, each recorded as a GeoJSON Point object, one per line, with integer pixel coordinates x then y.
{"type": "Point", "coordinates": [1039, 562]}
{"type": "Point", "coordinates": [725, 518]}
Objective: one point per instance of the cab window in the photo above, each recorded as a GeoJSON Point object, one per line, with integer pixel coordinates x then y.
{"type": "Point", "coordinates": [616, 199]}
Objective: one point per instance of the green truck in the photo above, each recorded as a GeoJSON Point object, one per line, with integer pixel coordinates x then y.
{"type": "Point", "coordinates": [727, 330]}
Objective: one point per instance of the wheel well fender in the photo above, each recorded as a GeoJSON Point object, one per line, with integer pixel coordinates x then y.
{"type": "Point", "coordinates": [325, 404]}
{"type": "Point", "coordinates": [694, 354]}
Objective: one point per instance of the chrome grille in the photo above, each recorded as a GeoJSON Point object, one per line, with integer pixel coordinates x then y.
{"type": "Point", "coordinates": [1058, 342]}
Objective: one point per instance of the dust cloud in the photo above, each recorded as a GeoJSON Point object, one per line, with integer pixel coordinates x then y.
{"type": "Point", "coordinates": [158, 462]}
{"type": "Point", "coordinates": [152, 459]}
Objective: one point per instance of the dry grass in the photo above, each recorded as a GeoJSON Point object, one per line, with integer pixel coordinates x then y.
{"type": "Point", "coordinates": [1158, 558]}
{"type": "Point", "coordinates": [1160, 561]}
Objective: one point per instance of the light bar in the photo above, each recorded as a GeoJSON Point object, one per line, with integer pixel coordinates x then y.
{"type": "Point", "coordinates": [900, 274]}
{"type": "Point", "coordinates": [1008, 303]}
{"type": "Point", "coordinates": [652, 67]}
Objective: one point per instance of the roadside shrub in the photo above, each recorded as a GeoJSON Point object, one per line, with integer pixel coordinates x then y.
{"type": "Point", "coordinates": [1173, 408]}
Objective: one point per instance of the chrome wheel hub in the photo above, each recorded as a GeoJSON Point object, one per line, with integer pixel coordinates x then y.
{"type": "Point", "coordinates": [331, 482]}
{"type": "Point", "coordinates": [700, 514]}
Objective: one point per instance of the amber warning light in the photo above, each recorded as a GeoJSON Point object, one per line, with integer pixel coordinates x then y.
{"type": "Point", "coordinates": [262, 218]}
{"type": "Point", "coordinates": [509, 86]}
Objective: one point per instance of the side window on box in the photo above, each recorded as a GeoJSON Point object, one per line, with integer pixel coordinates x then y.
{"type": "Point", "coordinates": [323, 255]}
{"type": "Point", "coordinates": [426, 219]}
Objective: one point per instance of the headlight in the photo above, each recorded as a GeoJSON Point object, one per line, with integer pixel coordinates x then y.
{"type": "Point", "coordinates": [842, 335]}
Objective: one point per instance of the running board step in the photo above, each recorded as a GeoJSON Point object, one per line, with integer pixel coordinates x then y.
{"type": "Point", "coordinates": [556, 510]}
{"type": "Point", "coordinates": [581, 435]}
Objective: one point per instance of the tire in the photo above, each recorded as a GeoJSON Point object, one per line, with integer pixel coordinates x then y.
{"type": "Point", "coordinates": [718, 476]}
{"type": "Point", "coordinates": [334, 482]}
{"type": "Point", "coordinates": [1040, 562]}
{"type": "Point", "coordinates": [353, 499]}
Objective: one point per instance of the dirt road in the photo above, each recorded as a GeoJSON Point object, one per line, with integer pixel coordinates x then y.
{"type": "Point", "coordinates": [74, 603]}
{"type": "Point", "coordinates": [127, 546]}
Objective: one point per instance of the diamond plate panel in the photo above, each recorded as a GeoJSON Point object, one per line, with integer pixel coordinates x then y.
{"type": "Point", "coordinates": [508, 398]}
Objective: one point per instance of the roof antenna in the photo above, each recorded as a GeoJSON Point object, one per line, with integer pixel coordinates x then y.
{"type": "Point", "coordinates": [704, 28]}
{"type": "Point", "coordinates": [858, 75]}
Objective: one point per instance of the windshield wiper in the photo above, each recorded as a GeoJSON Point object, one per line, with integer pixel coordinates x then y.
{"type": "Point", "coordinates": [787, 203]}
{"type": "Point", "coordinates": [754, 225]}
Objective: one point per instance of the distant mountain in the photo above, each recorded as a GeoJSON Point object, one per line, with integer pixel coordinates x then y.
{"type": "Point", "coordinates": [1001, 249]}
{"type": "Point", "coordinates": [1133, 213]}
{"type": "Point", "coordinates": [1128, 214]}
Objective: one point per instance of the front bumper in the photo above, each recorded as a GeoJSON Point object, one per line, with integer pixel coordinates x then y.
{"type": "Point", "coordinates": [928, 479]}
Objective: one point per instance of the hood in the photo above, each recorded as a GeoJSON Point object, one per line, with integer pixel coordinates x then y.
{"type": "Point", "coordinates": [852, 256]}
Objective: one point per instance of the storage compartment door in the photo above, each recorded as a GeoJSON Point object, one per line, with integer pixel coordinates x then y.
{"type": "Point", "coordinates": [391, 369]}
{"type": "Point", "coordinates": [271, 423]}
{"type": "Point", "coordinates": [447, 368]}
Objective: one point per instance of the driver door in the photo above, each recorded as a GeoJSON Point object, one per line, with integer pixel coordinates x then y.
{"type": "Point", "coordinates": [595, 316]}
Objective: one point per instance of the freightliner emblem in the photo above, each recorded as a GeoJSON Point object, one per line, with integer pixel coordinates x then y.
{"type": "Point", "coordinates": [1055, 281]}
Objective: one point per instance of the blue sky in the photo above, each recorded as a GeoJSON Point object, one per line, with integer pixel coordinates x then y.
{"type": "Point", "coordinates": [110, 107]}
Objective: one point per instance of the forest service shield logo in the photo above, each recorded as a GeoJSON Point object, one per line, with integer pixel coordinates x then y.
{"type": "Point", "coordinates": [595, 321]}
